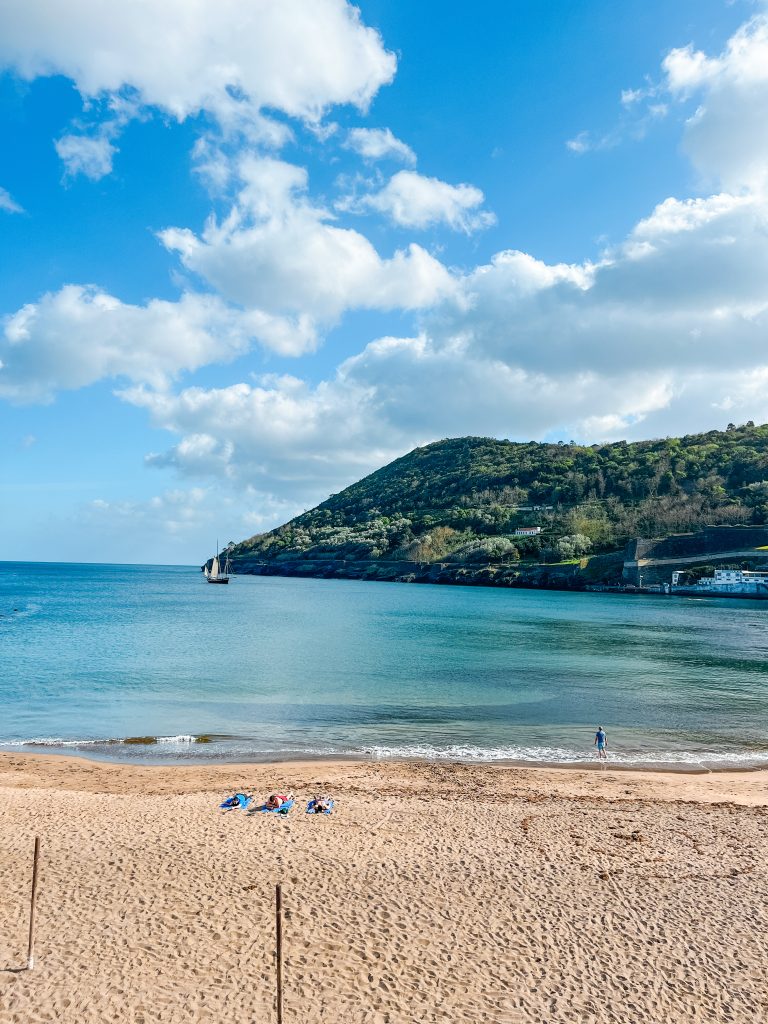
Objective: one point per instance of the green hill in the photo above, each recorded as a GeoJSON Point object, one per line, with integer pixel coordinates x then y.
{"type": "Point", "coordinates": [462, 499]}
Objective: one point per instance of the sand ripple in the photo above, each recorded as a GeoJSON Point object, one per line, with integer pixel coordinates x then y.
{"type": "Point", "coordinates": [546, 897]}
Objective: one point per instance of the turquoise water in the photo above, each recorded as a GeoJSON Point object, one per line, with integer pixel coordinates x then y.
{"type": "Point", "coordinates": [271, 668]}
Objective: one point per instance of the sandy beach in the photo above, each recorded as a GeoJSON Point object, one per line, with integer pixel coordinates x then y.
{"type": "Point", "coordinates": [434, 893]}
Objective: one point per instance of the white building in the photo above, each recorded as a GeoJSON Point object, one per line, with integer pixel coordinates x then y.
{"type": "Point", "coordinates": [727, 581]}
{"type": "Point", "coordinates": [527, 531]}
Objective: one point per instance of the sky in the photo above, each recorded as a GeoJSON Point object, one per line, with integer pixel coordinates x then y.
{"type": "Point", "coordinates": [252, 250]}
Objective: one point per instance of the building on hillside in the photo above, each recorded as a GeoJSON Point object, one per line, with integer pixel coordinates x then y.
{"type": "Point", "coordinates": [527, 531]}
{"type": "Point", "coordinates": [725, 581]}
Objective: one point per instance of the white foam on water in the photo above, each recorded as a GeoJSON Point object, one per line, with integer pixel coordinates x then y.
{"type": "Point", "coordinates": [468, 753]}
{"type": "Point", "coordinates": [563, 755]}
{"type": "Point", "coordinates": [57, 741]}
{"type": "Point", "coordinates": [54, 741]}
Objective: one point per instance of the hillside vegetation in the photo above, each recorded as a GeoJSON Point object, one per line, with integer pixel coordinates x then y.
{"type": "Point", "coordinates": [460, 500]}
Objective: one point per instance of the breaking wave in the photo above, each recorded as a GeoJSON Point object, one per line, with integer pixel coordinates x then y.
{"type": "Point", "coordinates": [565, 756]}
{"type": "Point", "coordinates": [185, 746]}
{"type": "Point", "coordinates": [55, 741]}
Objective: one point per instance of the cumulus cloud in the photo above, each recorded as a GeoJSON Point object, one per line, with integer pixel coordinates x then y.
{"type": "Point", "coordinates": [90, 150]}
{"type": "Point", "coordinates": [281, 434]}
{"type": "Point", "coordinates": [8, 203]}
{"type": "Point", "coordinates": [184, 56]}
{"type": "Point", "coordinates": [660, 335]}
{"type": "Point", "coordinates": [726, 137]}
{"type": "Point", "coordinates": [304, 441]}
{"type": "Point", "coordinates": [665, 332]}
{"type": "Point", "coordinates": [415, 201]}
{"type": "Point", "coordinates": [78, 335]}
{"type": "Point", "coordinates": [90, 155]}
{"type": "Point", "coordinates": [687, 291]}
{"type": "Point", "coordinates": [379, 144]}
{"type": "Point", "coordinates": [290, 271]}
{"type": "Point", "coordinates": [277, 252]}
{"type": "Point", "coordinates": [229, 58]}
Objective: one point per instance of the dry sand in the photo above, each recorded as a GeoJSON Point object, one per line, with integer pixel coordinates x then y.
{"type": "Point", "coordinates": [434, 893]}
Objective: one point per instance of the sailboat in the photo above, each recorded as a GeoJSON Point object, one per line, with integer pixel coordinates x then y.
{"type": "Point", "coordinates": [218, 573]}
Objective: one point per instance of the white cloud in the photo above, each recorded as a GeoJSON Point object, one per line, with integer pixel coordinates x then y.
{"type": "Point", "coordinates": [581, 143]}
{"type": "Point", "coordinates": [688, 290]}
{"type": "Point", "coordinates": [304, 442]}
{"type": "Point", "coordinates": [726, 137]}
{"type": "Point", "coordinates": [8, 203]}
{"type": "Point", "coordinates": [90, 151]}
{"type": "Point", "coordinates": [277, 252]}
{"type": "Point", "coordinates": [230, 58]}
{"type": "Point", "coordinates": [664, 333]}
{"type": "Point", "coordinates": [631, 96]}
{"type": "Point", "coordinates": [379, 144]}
{"type": "Point", "coordinates": [281, 435]}
{"type": "Point", "coordinates": [688, 69]}
{"type": "Point", "coordinates": [415, 201]}
{"type": "Point", "coordinates": [90, 155]}
{"type": "Point", "coordinates": [78, 335]}
{"type": "Point", "coordinates": [650, 340]}
{"type": "Point", "coordinates": [675, 215]}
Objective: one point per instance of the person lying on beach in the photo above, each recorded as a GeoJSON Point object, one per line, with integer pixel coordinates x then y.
{"type": "Point", "coordinates": [321, 804]}
{"type": "Point", "coordinates": [276, 800]}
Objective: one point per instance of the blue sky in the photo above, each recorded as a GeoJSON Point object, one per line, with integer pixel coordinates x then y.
{"type": "Point", "coordinates": [253, 250]}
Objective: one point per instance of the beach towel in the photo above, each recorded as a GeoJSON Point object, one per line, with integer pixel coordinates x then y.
{"type": "Point", "coordinates": [311, 807]}
{"type": "Point", "coordinates": [282, 809]}
{"type": "Point", "coordinates": [239, 800]}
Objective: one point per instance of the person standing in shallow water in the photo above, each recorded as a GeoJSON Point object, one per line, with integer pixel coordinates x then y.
{"type": "Point", "coordinates": [601, 742]}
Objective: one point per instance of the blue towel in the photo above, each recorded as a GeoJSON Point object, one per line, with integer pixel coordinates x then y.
{"type": "Point", "coordinates": [311, 807]}
{"type": "Point", "coordinates": [282, 809]}
{"type": "Point", "coordinates": [242, 802]}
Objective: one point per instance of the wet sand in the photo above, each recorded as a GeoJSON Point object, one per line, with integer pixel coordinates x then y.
{"type": "Point", "coordinates": [434, 893]}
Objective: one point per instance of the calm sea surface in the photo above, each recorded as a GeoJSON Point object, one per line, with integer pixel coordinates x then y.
{"type": "Point", "coordinates": [271, 668]}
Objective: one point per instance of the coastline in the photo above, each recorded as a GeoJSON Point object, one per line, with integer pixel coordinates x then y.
{"type": "Point", "coordinates": [115, 752]}
{"type": "Point", "coordinates": [562, 577]}
{"type": "Point", "coordinates": [745, 786]}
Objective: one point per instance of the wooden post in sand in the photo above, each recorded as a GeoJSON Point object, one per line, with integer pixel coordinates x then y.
{"type": "Point", "coordinates": [279, 950]}
{"type": "Point", "coordinates": [33, 897]}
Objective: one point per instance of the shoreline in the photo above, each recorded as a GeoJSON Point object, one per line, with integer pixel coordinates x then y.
{"type": "Point", "coordinates": [542, 576]}
{"type": "Point", "coordinates": [302, 758]}
{"type": "Point", "coordinates": [747, 786]}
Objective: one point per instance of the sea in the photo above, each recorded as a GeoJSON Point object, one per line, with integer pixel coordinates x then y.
{"type": "Point", "coordinates": [151, 664]}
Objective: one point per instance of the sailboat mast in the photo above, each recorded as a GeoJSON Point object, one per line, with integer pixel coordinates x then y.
{"type": "Point", "coordinates": [217, 573]}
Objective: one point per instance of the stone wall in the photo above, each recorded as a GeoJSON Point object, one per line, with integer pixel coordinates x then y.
{"type": "Point", "coordinates": [710, 540]}
{"type": "Point", "coordinates": [711, 546]}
